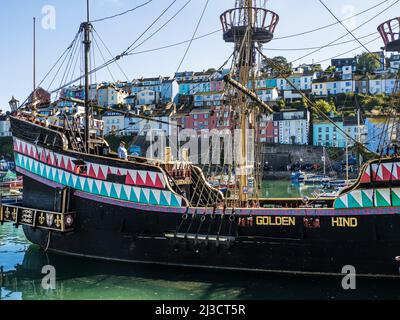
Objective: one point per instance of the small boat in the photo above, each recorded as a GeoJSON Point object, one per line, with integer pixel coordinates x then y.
{"type": "Point", "coordinates": [11, 181]}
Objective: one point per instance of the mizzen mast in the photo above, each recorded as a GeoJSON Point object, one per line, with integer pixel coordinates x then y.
{"type": "Point", "coordinates": [246, 25]}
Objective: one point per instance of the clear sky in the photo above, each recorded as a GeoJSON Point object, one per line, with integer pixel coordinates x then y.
{"type": "Point", "coordinates": [295, 16]}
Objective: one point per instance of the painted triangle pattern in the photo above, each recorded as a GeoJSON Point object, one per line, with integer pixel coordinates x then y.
{"type": "Point", "coordinates": [368, 198]}
{"type": "Point", "coordinates": [385, 171]}
{"type": "Point", "coordinates": [383, 198]}
{"type": "Point", "coordinates": [95, 171]}
{"type": "Point", "coordinates": [142, 195]}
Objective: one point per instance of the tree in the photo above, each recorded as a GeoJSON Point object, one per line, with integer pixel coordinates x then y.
{"type": "Point", "coordinates": [330, 70]}
{"type": "Point", "coordinates": [277, 66]}
{"type": "Point", "coordinates": [325, 107]}
{"type": "Point", "coordinates": [368, 62]}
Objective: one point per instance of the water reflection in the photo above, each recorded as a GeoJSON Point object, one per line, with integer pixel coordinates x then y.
{"type": "Point", "coordinates": [89, 279]}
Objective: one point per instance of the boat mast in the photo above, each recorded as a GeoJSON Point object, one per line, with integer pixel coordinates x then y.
{"type": "Point", "coordinates": [87, 27]}
{"type": "Point", "coordinates": [246, 25]}
{"type": "Point", "coordinates": [34, 63]}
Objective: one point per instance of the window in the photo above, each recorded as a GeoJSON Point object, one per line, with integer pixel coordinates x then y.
{"type": "Point", "coordinates": [195, 117]}
{"type": "Point", "coordinates": [319, 129]}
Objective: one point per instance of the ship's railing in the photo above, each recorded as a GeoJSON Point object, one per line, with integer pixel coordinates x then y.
{"type": "Point", "coordinates": [41, 219]}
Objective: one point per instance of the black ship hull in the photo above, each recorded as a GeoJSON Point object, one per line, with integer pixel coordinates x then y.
{"type": "Point", "coordinates": [112, 233]}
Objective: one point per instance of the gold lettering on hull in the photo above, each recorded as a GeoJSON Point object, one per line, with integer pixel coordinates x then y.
{"type": "Point", "coordinates": [276, 221]}
{"type": "Point", "coordinates": [344, 222]}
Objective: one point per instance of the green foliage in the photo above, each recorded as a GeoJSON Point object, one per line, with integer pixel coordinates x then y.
{"type": "Point", "coordinates": [281, 104]}
{"type": "Point", "coordinates": [325, 107]}
{"type": "Point", "coordinates": [368, 62]}
{"type": "Point", "coordinates": [330, 69]}
{"type": "Point", "coordinates": [6, 147]}
{"type": "Point", "coordinates": [277, 66]}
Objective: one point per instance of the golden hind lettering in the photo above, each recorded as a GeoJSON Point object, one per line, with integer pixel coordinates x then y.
{"type": "Point", "coordinates": [276, 221]}
{"type": "Point", "coordinates": [344, 222]}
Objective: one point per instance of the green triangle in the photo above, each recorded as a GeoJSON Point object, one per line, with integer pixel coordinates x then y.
{"type": "Point", "coordinates": [16, 158]}
{"type": "Point", "coordinates": [153, 199]}
{"type": "Point", "coordinates": [395, 199]}
{"type": "Point", "coordinates": [380, 200]}
{"type": "Point", "coordinates": [86, 187]}
{"type": "Point", "coordinates": [143, 198]}
{"type": "Point", "coordinates": [57, 177]}
{"type": "Point", "coordinates": [163, 200]}
{"type": "Point", "coordinates": [103, 191]}
{"type": "Point", "coordinates": [37, 168]}
{"type": "Point", "coordinates": [22, 162]}
{"type": "Point", "coordinates": [50, 175]}
{"type": "Point", "coordinates": [78, 185]}
{"type": "Point", "coordinates": [27, 165]}
{"type": "Point", "coordinates": [367, 202]}
{"type": "Point", "coordinates": [133, 197]}
{"type": "Point", "coordinates": [64, 179]}
{"type": "Point", "coordinates": [71, 181]}
{"type": "Point", "coordinates": [339, 204]}
{"type": "Point", "coordinates": [113, 192]}
{"type": "Point", "coordinates": [352, 202]}
{"type": "Point", "coordinates": [95, 190]}
{"type": "Point", "coordinates": [44, 172]}
{"type": "Point", "coordinates": [174, 201]}
{"type": "Point", "coordinates": [123, 195]}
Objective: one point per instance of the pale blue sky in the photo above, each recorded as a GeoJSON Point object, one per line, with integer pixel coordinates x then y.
{"type": "Point", "coordinates": [295, 16]}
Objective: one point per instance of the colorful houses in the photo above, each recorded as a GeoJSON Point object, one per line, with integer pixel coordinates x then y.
{"type": "Point", "coordinates": [328, 134]}
{"type": "Point", "coordinates": [293, 126]}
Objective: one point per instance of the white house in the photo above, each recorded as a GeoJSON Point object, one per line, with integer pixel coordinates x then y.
{"type": "Point", "coordinates": [113, 122]}
{"type": "Point", "coordinates": [293, 126]}
{"type": "Point", "coordinates": [110, 95]}
{"type": "Point", "coordinates": [4, 126]}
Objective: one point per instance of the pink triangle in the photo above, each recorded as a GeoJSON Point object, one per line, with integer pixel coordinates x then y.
{"type": "Point", "coordinates": [49, 161]}
{"type": "Point", "coordinates": [21, 150]}
{"type": "Point", "coordinates": [129, 180]}
{"type": "Point", "coordinates": [158, 183]}
{"type": "Point", "coordinates": [62, 164]}
{"type": "Point", "coordinates": [398, 171]}
{"type": "Point", "coordinates": [69, 167]}
{"type": "Point", "coordinates": [119, 173]}
{"type": "Point", "coordinates": [386, 174]}
{"type": "Point", "coordinates": [139, 180]}
{"type": "Point", "coordinates": [92, 174]}
{"type": "Point", "coordinates": [100, 175]}
{"type": "Point", "coordinates": [26, 150]}
{"type": "Point", "coordinates": [365, 178]}
{"type": "Point", "coordinates": [109, 171]}
{"type": "Point", "coordinates": [149, 182]}
{"type": "Point", "coordinates": [43, 156]}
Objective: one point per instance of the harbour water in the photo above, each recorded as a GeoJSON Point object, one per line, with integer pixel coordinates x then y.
{"type": "Point", "coordinates": [22, 263]}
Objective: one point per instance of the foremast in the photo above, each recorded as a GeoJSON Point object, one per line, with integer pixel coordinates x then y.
{"type": "Point", "coordinates": [87, 29]}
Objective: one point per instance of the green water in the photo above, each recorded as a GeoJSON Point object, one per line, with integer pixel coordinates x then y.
{"type": "Point", "coordinates": [87, 279]}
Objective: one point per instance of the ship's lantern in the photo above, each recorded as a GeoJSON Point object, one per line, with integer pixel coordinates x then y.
{"type": "Point", "coordinates": [390, 33]}
{"type": "Point", "coordinates": [14, 104]}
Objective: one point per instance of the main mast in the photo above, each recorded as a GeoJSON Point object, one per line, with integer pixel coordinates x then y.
{"type": "Point", "coordinates": [87, 27]}
{"type": "Point", "coordinates": [247, 25]}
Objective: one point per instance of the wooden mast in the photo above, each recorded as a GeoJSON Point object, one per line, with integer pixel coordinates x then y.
{"type": "Point", "coordinates": [87, 42]}
{"type": "Point", "coordinates": [34, 64]}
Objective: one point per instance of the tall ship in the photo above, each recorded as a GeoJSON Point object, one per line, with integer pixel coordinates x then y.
{"type": "Point", "coordinates": [81, 199]}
